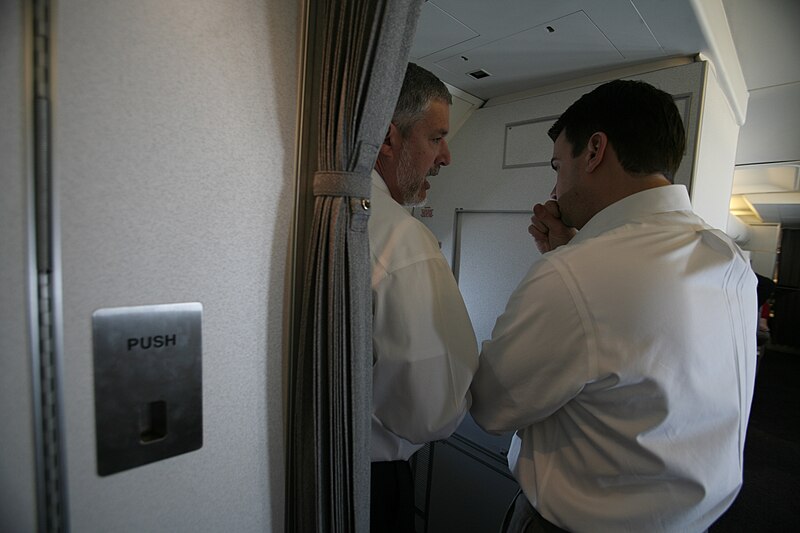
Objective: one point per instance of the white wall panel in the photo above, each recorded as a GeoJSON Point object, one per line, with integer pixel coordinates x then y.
{"type": "Point", "coordinates": [17, 478]}
{"type": "Point", "coordinates": [173, 137]}
{"type": "Point", "coordinates": [767, 41]}
{"type": "Point", "coordinates": [494, 253]}
{"type": "Point", "coordinates": [770, 132]}
{"type": "Point", "coordinates": [716, 156]}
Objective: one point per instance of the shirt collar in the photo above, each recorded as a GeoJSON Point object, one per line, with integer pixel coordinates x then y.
{"type": "Point", "coordinates": [648, 202]}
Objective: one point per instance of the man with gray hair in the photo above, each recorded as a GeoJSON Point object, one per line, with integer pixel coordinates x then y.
{"type": "Point", "coordinates": [424, 348]}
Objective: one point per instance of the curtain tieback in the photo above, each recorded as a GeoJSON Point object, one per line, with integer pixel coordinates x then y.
{"type": "Point", "coordinates": [341, 183]}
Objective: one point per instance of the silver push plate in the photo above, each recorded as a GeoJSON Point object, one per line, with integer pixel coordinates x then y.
{"type": "Point", "coordinates": [147, 384]}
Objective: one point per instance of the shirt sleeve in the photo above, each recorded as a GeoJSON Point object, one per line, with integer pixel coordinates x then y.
{"type": "Point", "coordinates": [424, 350]}
{"type": "Point", "coordinates": [538, 357]}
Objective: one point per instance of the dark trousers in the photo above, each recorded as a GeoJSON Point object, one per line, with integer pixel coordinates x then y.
{"type": "Point", "coordinates": [521, 517]}
{"type": "Point", "coordinates": [391, 508]}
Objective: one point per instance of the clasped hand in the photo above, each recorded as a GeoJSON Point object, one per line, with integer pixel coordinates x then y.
{"type": "Point", "coordinates": [548, 230]}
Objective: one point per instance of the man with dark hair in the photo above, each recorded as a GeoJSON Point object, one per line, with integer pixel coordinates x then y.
{"type": "Point", "coordinates": [625, 359]}
{"type": "Point", "coordinates": [424, 348]}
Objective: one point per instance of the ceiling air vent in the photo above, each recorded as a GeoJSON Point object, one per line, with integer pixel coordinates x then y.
{"type": "Point", "coordinates": [479, 74]}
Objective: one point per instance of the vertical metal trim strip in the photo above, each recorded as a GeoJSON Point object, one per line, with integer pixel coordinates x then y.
{"type": "Point", "coordinates": [33, 274]}
{"type": "Point", "coordinates": [44, 278]}
{"type": "Point", "coordinates": [56, 295]}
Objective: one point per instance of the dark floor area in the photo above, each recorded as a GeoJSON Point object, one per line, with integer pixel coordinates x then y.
{"type": "Point", "coordinates": [770, 497]}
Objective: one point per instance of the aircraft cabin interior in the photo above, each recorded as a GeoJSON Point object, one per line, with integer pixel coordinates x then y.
{"type": "Point", "coordinates": [157, 185]}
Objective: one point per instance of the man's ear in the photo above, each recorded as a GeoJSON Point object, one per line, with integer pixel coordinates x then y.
{"type": "Point", "coordinates": [596, 150]}
{"type": "Point", "coordinates": [390, 140]}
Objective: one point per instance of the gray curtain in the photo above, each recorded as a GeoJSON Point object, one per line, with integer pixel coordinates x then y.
{"type": "Point", "coordinates": [359, 58]}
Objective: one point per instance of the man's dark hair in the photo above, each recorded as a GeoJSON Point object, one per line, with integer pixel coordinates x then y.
{"type": "Point", "coordinates": [420, 87]}
{"type": "Point", "coordinates": [642, 124]}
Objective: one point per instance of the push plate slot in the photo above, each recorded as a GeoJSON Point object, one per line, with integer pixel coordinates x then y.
{"type": "Point", "coordinates": [147, 384]}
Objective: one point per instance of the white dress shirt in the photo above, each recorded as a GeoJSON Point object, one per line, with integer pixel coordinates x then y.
{"type": "Point", "coordinates": [424, 347]}
{"type": "Point", "coordinates": [626, 362]}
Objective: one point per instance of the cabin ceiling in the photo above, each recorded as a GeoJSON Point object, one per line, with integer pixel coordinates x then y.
{"type": "Point", "coordinates": [526, 44]}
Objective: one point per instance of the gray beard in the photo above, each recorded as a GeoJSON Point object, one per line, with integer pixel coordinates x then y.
{"type": "Point", "coordinates": [411, 187]}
